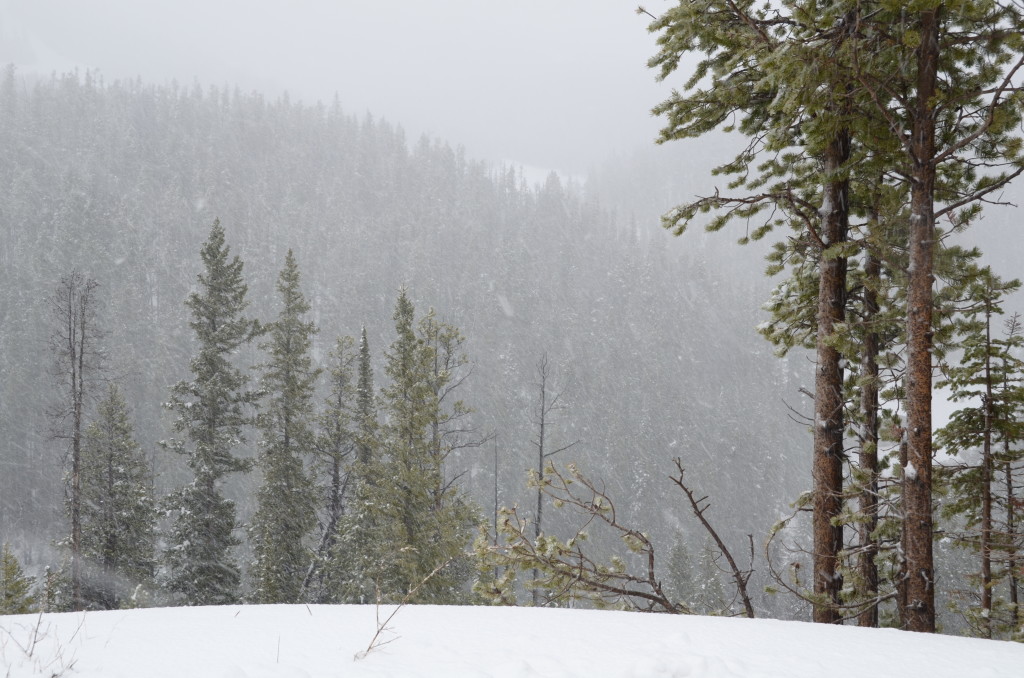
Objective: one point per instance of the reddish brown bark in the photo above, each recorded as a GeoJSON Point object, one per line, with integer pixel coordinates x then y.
{"type": "Point", "coordinates": [828, 391]}
{"type": "Point", "coordinates": [920, 584]}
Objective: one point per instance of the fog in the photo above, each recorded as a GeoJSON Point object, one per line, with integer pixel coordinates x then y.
{"type": "Point", "coordinates": [553, 85]}
{"type": "Point", "coordinates": [653, 336]}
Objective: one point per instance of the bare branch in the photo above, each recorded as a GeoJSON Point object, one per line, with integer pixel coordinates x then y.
{"type": "Point", "coordinates": [739, 577]}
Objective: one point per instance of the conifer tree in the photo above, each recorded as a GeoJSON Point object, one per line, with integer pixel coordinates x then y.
{"type": "Point", "coordinates": [285, 512]}
{"type": "Point", "coordinates": [421, 520]}
{"type": "Point", "coordinates": [211, 413]}
{"type": "Point", "coordinates": [366, 412]}
{"type": "Point", "coordinates": [333, 461]}
{"type": "Point", "coordinates": [356, 548]}
{"type": "Point", "coordinates": [118, 511]}
{"type": "Point", "coordinates": [988, 378]}
{"type": "Point", "coordinates": [15, 588]}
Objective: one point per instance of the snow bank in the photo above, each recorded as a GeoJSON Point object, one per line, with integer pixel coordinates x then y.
{"type": "Point", "coordinates": [296, 641]}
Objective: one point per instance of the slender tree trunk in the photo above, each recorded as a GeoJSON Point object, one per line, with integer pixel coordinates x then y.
{"type": "Point", "coordinates": [828, 391]}
{"type": "Point", "coordinates": [76, 355]}
{"type": "Point", "coordinates": [1011, 539]}
{"type": "Point", "coordinates": [986, 489]}
{"type": "Point", "coordinates": [109, 539]}
{"type": "Point", "coordinates": [868, 458]}
{"type": "Point", "coordinates": [540, 467]}
{"type": "Point", "coordinates": [918, 481]}
{"type": "Point", "coordinates": [77, 393]}
{"type": "Point", "coordinates": [901, 574]}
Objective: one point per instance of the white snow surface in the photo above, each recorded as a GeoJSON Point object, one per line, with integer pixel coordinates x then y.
{"type": "Point", "coordinates": [296, 641]}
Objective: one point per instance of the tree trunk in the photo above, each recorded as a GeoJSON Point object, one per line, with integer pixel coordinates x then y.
{"type": "Point", "coordinates": [828, 391]}
{"type": "Point", "coordinates": [986, 488]}
{"type": "Point", "coordinates": [901, 574]}
{"type": "Point", "coordinates": [540, 467]}
{"type": "Point", "coordinates": [918, 473]}
{"type": "Point", "coordinates": [868, 458]}
{"type": "Point", "coordinates": [1011, 534]}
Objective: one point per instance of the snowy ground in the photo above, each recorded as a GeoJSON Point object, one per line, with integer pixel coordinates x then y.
{"type": "Point", "coordinates": [296, 641]}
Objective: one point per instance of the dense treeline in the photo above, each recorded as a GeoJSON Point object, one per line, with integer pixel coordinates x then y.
{"type": "Point", "coordinates": [123, 180]}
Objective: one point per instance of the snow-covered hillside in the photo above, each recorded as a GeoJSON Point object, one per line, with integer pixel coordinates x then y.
{"type": "Point", "coordinates": [296, 641]}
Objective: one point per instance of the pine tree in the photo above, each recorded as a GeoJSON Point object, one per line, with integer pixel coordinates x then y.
{"type": "Point", "coordinates": [356, 549]}
{"type": "Point", "coordinates": [119, 511]}
{"type": "Point", "coordinates": [914, 102]}
{"type": "Point", "coordinates": [15, 588]}
{"type": "Point", "coordinates": [333, 452]}
{"type": "Point", "coordinates": [366, 412]}
{"type": "Point", "coordinates": [988, 377]}
{"type": "Point", "coordinates": [211, 413]}
{"type": "Point", "coordinates": [421, 521]}
{"type": "Point", "coordinates": [285, 513]}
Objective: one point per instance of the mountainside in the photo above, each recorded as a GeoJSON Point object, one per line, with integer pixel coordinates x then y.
{"type": "Point", "coordinates": [653, 350]}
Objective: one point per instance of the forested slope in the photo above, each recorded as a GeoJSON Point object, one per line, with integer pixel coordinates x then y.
{"type": "Point", "coordinates": [655, 350]}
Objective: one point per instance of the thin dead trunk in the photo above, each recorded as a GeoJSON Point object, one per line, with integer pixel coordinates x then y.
{"type": "Point", "coordinates": [1011, 532]}
{"type": "Point", "coordinates": [77, 360]}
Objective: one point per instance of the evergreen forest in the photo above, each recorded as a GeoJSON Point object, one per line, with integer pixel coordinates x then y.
{"type": "Point", "coordinates": [258, 350]}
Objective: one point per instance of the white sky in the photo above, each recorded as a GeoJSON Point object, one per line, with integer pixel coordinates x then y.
{"type": "Point", "coordinates": [551, 83]}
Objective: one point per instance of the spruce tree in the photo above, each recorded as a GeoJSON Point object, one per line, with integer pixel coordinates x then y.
{"type": "Point", "coordinates": [357, 551]}
{"type": "Point", "coordinates": [421, 520]}
{"type": "Point", "coordinates": [366, 412]}
{"type": "Point", "coordinates": [211, 413]}
{"type": "Point", "coordinates": [15, 588]}
{"type": "Point", "coordinates": [333, 461]}
{"type": "Point", "coordinates": [285, 512]}
{"type": "Point", "coordinates": [118, 511]}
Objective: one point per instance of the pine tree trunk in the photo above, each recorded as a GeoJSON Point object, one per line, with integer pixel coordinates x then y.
{"type": "Point", "coordinates": [986, 489]}
{"type": "Point", "coordinates": [828, 392]}
{"type": "Point", "coordinates": [1011, 539]}
{"type": "Point", "coordinates": [920, 613]}
{"type": "Point", "coordinates": [868, 457]}
{"type": "Point", "coordinates": [901, 572]}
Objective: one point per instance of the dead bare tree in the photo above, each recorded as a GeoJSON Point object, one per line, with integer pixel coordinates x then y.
{"type": "Point", "coordinates": [547, 405]}
{"type": "Point", "coordinates": [78, 362]}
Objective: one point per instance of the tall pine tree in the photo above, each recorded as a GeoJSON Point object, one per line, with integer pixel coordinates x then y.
{"type": "Point", "coordinates": [333, 461]}
{"type": "Point", "coordinates": [421, 520]}
{"type": "Point", "coordinates": [356, 550]}
{"type": "Point", "coordinates": [211, 413]}
{"type": "Point", "coordinates": [285, 513]}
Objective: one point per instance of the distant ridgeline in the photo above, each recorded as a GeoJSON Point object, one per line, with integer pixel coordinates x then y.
{"type": "Point", "coordinates": [655, 353]}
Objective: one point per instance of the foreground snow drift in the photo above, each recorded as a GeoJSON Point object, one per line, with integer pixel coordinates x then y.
{"type": "Point", "coordinates": [295, 641]}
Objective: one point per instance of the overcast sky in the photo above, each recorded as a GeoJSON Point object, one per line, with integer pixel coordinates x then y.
{"type": "Point", "coordinates": [550, 83]}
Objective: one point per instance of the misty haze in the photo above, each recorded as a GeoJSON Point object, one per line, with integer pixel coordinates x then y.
{"type": "Point", "coordinates": [360, 303]}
